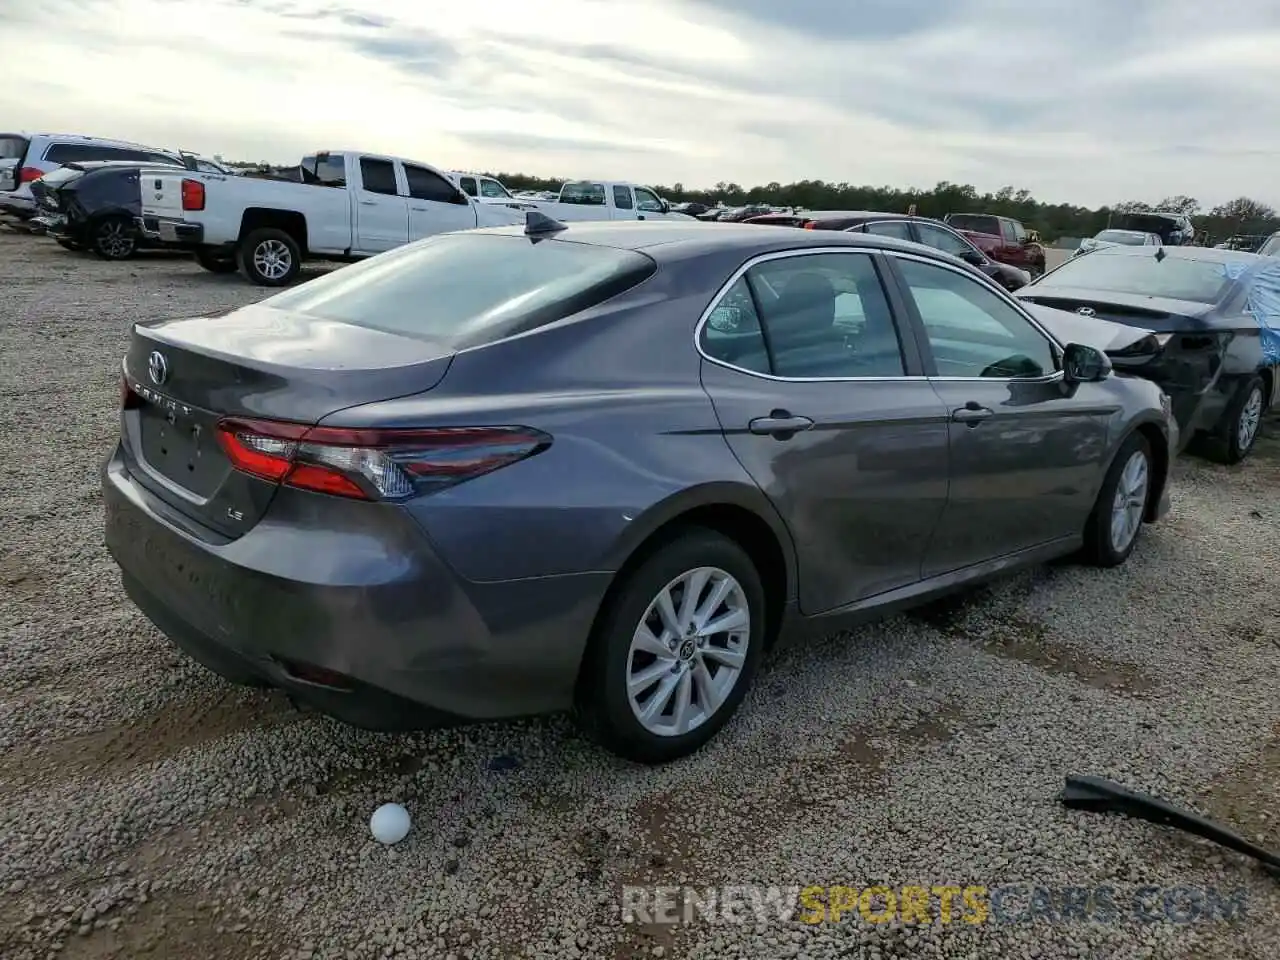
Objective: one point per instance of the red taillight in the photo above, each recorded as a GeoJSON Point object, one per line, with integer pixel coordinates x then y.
{"type": "Point", "coordinates": [192, 195]}
{"type": "Point", "coordinates": [27, 174]}
{"type": "Point", "coordinates": [369, 464]}
{"type": "Point", "coordinates": [809, 225]}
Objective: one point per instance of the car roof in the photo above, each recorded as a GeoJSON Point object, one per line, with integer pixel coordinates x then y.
{"type": "Point", "coordinates": [673, 240]}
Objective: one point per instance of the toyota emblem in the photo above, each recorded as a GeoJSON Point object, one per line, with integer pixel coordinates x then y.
{"type": "Point", "coordinates": [1083, 311]}
{"type": "Point", "coordinates": [158, 367]}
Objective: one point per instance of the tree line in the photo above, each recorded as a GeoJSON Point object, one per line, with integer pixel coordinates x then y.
{"type": "Point", "coordinates": [1243, 215]}
{"type": "Point", "coordinates": [1053, 220]}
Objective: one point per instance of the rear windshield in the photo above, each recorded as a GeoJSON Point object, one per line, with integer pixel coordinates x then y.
{"type": "Point", "coordinates": [1122, 236]}
{"type": "Point", "coordinates": [975, 222]}
{"type": "Point", "coordinates": [1177, 278]}
{"type": "Point", "coordinates": [12, 147]}
{"type": "Point", "coordinates": [589, 194]}
{"type": "Point", "coordinates": [464, 290]}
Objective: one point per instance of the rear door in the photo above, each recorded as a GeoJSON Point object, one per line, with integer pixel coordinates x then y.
{"type": "Point", "coordinates": [13, 147]}
{"type": "Point", "coordinates": [825, 406]}
{"type": "Point", "coordinates": [624, 204]}
{"type": "Point", "coordinates": [382, 211]}
{"type": "Point", "coordinates": [1025, 452]}
{"type": "Point", "coordinates": [435, 204]}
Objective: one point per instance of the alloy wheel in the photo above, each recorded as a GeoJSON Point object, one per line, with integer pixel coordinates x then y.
{"type": "Point", "coordinates": [115, 239]}
{"type": "Point", "coordinates": [272, 259]}
{"type": "Point", "coordinates": [688, 651]}
{"type": "Point", "coordinates": [1250, 418]}
{"type": "Point", "coordinates": [1130, 501]}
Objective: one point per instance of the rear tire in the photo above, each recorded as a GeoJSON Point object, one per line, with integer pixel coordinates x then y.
{"type": "Point", "coordinates": [1114, 526]}
{"type": "Point", "coordinates": [270, 257]}
{"type": "Point", "coordinates": [1241, 424]}
{"type": "Point", "coordinates": [114, 238]}
{"type": "Point", "coordinates": [665, 695]}
{"type": "Point", "coordinates": [215, 264]}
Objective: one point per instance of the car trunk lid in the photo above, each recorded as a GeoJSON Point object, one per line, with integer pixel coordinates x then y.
{"type": "Point", "coordinates": [185, 376]}
{"type": "Point", "coordinates": [1152, 313]}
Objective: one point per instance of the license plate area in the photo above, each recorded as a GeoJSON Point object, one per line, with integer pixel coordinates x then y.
{"type": "Point", "coordinates": [168, 231]}
{"type": "Point", "coordinates": [178, 442]}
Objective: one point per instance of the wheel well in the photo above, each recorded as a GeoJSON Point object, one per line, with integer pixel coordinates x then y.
{"type": "Point", "coordinates": [290, 221]}
{"type": "Point", "coordinates": [740, 525]}
{"type": "Point", "coordinates": [1268, 375]}
{"type": "Point", "coordinates": [1159, 460]}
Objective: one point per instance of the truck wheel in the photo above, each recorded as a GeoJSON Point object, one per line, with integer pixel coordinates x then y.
{"type": "Point", "coordinates": [113, 238]}
{"type": "Point", "coordinates": [270, 257]}
{"type": "Point", "coordinates": [217, 264]}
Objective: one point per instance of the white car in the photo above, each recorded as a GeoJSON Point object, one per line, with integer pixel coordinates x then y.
{"type": "Point", "coordinates": [1272, 246]}
{"type": "Point", "coordinates": [344, 205]}
{"type": "Point", "coordinates": [25, 157]}
{"type": "Point", "coordinates": [484, 189]}
{"type": "Point", "coordinates": [608, 200]}
{"type": "Point", "coordinates": [1118, 238]}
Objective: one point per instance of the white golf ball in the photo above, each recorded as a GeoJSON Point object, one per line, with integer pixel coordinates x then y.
{"type": "Point", "coordinates": [389, 823]}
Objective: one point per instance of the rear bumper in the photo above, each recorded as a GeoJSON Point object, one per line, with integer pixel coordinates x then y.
{"type": "Point", "coordinates": [358, 590]}
{"type": "Point", "coordinates": [17, 204]}
{"type": "Point", "coordinates": [171, 233]}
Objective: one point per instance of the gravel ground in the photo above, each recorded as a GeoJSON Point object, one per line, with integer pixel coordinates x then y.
{"type": "Point", "coordinates": [149, 810]}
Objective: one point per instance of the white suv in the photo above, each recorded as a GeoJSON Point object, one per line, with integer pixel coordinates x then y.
{"type": "Point", "coordinates": [27, 157]}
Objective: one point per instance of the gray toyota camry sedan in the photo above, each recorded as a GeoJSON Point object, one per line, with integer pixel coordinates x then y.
{"type": "Point", "coordinates": [603, 467]}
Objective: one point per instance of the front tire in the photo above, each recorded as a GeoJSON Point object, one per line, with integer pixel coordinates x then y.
{"type": "Point", "coordinates": [114, 238]}
{"type": "Point", "coordinates": [270, 257]}
{"type": "Point", "coordinates": [674, 651]}
{"type": "Point", "coordinates": [1115, 524]}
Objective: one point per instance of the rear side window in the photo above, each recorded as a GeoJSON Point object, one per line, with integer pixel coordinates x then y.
{"type": "Point", "coordinates": [890, 228]}
{"type": "Point", "coordinates": [1177, 278]}
{"type": "Point", "coordinates": [975, 223]}
{"type": "Point", "coordinates": [622, 197]}
{"type": "Point", "coordinates": [480, 287]}
{"type": "Point", "coordinates": [324, 171]}
{"type": "Point", "coordinates": [70, 152]}
{"type": "Point", "coordinates": [378, 176]}
{"type": "Point", "coordinates": [469, 186]}
{"type": "Point", "coordinates": [732, 332]}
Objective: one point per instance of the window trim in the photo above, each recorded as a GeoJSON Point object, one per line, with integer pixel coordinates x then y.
{"type": "Point", "coordinates": [918, 329]}
{"type": "Point", "coordinates": [866, 226]}
{"type": "Point", "coordinates": [890, 283]}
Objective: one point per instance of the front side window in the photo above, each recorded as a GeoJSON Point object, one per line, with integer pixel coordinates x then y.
{"type": "Point", "coordinates": [427, 185]}
{"type": "Point", "coordinates": [972, 332]}
{"type": "Point", "coordinates": [1272, 247]}
{"type": "Point", "coordinates": [378, 176]}
{"type": "Point", "coordinates": [1007, 231]}
{"type": "Point", "coordinates": [898, 229]}
{"type": "Point", "coordinates": [647, 200]}
{"type": "Point", "coordinates": [1019, 232]}
{"type": "Point", "coordinates": [493, 190]}
{"type": "Point", "coordinates": [622, 197]}
{"type": "Point", "coordinates": [826, 316]}
{"type": "Point", "coordinates": [942, 239]}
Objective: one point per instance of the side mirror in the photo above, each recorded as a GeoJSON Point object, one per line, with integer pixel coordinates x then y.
{"type": "Point", "coordinates": [1084, 364]}
{"type": "Point", "coordinates": [665, 206]}
{"type": "Point", "coordinates": [975, 257]}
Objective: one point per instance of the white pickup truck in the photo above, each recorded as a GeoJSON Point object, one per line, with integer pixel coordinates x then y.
{"type": "Point", "coordinates": [486, 189]}
{"type": "Point", "coordinates": [608, 200]}
{"type": "Point", "coordinates": [343, 206]}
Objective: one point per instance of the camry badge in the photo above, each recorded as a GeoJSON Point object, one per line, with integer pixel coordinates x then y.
{"type": "Point", "coordinates": [158, 367]}
{"type": "Point", "coordinates": [1086, 311]}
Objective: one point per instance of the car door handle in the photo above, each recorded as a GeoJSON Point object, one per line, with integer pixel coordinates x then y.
{"type": "Point", "coordinates": [418, 209]}
{"type": "Point", "coordinates": [640, 216]}
{"type": "Point", "coordinates": [972, 414]}
{"type": "Point", "coordinates": [779, 424]}
{"type": "Point", "coordinates": [368, 203]}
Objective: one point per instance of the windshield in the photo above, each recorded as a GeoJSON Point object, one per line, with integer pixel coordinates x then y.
{"type": "Point", "coordinates": [466, 290]}
{"type": "Point", "coordinates": [1177, 278]}
{"type": "Point", "coordinates": [1122, 236]}
{"type": "Point", "coordinates": [1272, 247]}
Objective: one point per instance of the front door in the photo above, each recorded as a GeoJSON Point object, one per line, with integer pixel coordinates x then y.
{"type": "Point", "coordinates": [382, 214]}
{"type": "Point", "coordinates": [435, 204]}
{"type": "Point", "coordinates": [827, 412]}
{"type": "Point", "coordinates": [1025, 448]}
{"type": "Point", "coordinates": [648, 206]}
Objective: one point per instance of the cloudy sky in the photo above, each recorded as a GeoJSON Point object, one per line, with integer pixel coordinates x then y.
{"type": "Point", "coordinates": [1084, 101]}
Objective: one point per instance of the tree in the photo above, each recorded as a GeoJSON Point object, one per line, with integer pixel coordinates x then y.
{"type": "Point", "coordinates": [1132, 206]}
{"type": "Point", "coordinates": [1182, 204]}
{"type": "Point", "coordinates": [1244, 210]}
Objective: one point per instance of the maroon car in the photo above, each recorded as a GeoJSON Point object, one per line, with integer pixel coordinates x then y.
{"type": "Point", "coordinates": [1001, 238]}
